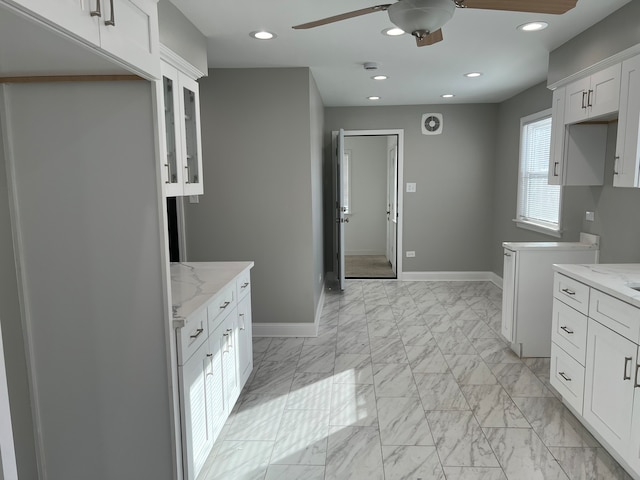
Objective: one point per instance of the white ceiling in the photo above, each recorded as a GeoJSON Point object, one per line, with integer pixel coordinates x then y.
{"type": "Point", "coordinates": [474, 40]}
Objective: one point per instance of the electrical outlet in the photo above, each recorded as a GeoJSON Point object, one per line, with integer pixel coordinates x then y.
{"type": "Point", "coordinates": [411, 187]}
{"type": "Point", "coordinates": [410, 254]}
{"type": "Point", "coordinates": [194, 199]}
{"type": "Point", "coordinates": [589, 216]}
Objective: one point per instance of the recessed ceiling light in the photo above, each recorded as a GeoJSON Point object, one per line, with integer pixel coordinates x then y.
{"type": "Point", "coordinates": [392, 32]}
{"type": "Point", "coordinates": [262, 35]}
{"type": "Point", "coordinates": [448, 95]}
{"type": "Point", "coordinates": [533, 26]}
{"type": "Point", "coordinates": [373, 98]}
{"type": "Point", "coordinates": [380, 77]}
{"type": "Point", "coordinates": [472, 74]}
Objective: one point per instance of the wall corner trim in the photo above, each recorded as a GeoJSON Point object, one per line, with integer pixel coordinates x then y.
{"type": "Point", "coordinates": [453, 277]}
{"type": "Point", "coordinates": [291, 329]}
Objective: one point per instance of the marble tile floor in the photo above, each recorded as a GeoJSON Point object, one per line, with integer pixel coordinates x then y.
{"type": "Point", "coordinates": [405, 380]}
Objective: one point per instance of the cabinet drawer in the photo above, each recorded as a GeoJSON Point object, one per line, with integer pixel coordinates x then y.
{"type": "Point", "coordinates": [244, 284]}
{"type": "Point", "coordinates": [191, 336]}
{"type": "Point", "coordinates": [567, 376]}
{"type": "Point", "coordinates": [569, 330]}
{"type": "Point", "coordinates": [222, 304]}
{"type": "Point", "coordinates": [571, 292]}
{"type": "Point", "coordinates": [619, 316]}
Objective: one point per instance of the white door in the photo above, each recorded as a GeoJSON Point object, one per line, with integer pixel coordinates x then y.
{"type": "Point", "coordinates": [340, 209]}
{"type": "Point", "coordinates": [608, 385]}
{"type": "Point", "coordinates": [392, 205]}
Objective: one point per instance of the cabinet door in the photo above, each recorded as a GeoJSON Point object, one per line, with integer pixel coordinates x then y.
{"type": "Point", "coordinates": [216, 405]}
{"type": "Point", "coordinates": [229, 359]}
{"type": "Point", "coordinates": [556, 155]}
{"type": "Point", "coordinates": [172, 171]}
{"type": "Point", "coordinates": [576, 101]}
{"type": "Point", "coordinates": [129, 31]}
{"type": "Point", "coordinates": [192, 143]}
{"type": "Point", "coordinates": [634, 447]}
{"type": "Point", "coordinates": [196, 432]}
{"type": "Point", "coordinates": [604, 94]}
{"type": "Point", "coordinates": [78, 17]}
{"type": "Point", "coordinates": [245, 339]}
{"type": "Point", "coordinates": [627, 164]}
{"type": "Point", "coordinates": [508, 295]}
{"type": "Point", "coordinates": [608, 395]}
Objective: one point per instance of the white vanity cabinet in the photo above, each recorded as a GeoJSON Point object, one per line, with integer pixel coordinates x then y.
{"type": "Point", "coordinates": [124, 30]}
{"type": "Point", "coordinates": [599, 298]}
{"type": "Point", "coordinates": [182, 164]}
{"type": "Point", "coordinates": [593, 96]}
{"type": "Point", "coordinates": [627, 162]}
{"type": "Point", "coordinates": [212, 315]}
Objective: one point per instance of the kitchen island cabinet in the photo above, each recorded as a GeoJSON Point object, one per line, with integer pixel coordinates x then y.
{"type": "Point", "coordinates": [212, 319]}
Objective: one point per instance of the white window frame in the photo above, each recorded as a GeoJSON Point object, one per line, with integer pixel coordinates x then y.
{"type": "Point", "coordinates": [521, 221]}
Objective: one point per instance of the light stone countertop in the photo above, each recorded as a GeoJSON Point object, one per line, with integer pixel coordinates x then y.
{"type": "Point", "coordinates": [194, 284]}
{"type": "Point", "coordinates": [613, 278]}
{"type": "Point", "coordinates": [549, 246]}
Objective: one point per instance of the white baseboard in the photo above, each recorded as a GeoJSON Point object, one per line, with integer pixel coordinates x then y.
{"type": "Point", "coordinates": [290, 329]}
{"type": "Point", "coordinates": [452, 277]}
{"type": "Point", "coordinates": [365, 252]}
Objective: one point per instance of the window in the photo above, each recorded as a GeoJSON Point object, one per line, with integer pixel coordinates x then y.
{"type": "Point", "coordinates": [346, 181]}
{"type": "Point", "coordinates": [538, 202]}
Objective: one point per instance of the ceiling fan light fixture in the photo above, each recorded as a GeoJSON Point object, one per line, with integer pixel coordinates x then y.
{"type": "Point", "coordinates": [393, 32]}
{"type": "Point", "coordinates": [532, 26]}
{"type": "Point", "coordinates": [421, 15]}
{"type": "Point", "coordinates": [262, 35]}
{"type": "Point", "coordinates": [473, 74]}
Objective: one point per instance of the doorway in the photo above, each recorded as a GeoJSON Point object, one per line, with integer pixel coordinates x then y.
{"type": "Point", "coordinates": [176, 229]}
{"type": "Point", "coordinates": [369, 175]}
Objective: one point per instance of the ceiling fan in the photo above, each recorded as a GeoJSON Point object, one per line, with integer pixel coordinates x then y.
{"type": "Point", "coordinates": [424, 18]}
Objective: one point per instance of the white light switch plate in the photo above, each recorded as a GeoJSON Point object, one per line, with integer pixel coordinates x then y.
{"type": "Point", "coordinates": [411, 187]}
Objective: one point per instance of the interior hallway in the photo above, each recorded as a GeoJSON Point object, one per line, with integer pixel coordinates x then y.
{"type": "Point", "coordinates": [367, 266]}
{"type": "Point", "coordinates": [406, 380]}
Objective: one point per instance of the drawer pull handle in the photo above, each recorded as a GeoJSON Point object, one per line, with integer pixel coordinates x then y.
{"type": "Point", "coordinates": [627, 361]}
{"type": "Point", "coordinates": [636, 384]}
{"type": "Point", "coordinates": [244, 285]}
{"type": "Point", "coordinates": [570, 332]}
{"type": "Point", "coordinates": [209, 354]}
{"type": "Point", "coordinates": [507, 254]}
{"type": "Point", "coordinates": [562, 374]}
{"type": "Point", "coordinates": [225, 305]}
{"type": "Point", "coordinates": [568, 292]}
{"type": "Point", "coordinates": [243, 326]}
{"type": "Point", "coordinates": [584, 96]}
{"type": "Point", "coordinates": [112, 21]}
{"type": "Point", "coordinates": [589, 104]}
{"type": "Point", "coordinates": [97, 12]}
{"type": "Point", "coordinates": [198, 333]}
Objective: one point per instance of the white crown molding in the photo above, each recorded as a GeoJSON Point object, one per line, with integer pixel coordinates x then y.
{"type": "Point", "coordinates": [180, 63]}
{"type": "Point", "coordinates": [596, 67]}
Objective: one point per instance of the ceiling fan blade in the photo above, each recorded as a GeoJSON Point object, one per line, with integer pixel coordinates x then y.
{"type": "Point", "coordinates": [344, 16]}
{"type": "Point", "coordinates": [557, 7]}
{"type": "Point", "coordinates": [430, 39]}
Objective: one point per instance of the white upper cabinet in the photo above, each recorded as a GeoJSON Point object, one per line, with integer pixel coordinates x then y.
{"type": "Point", "coordinates": [594, 96]}
{"type": "Point", "coordinates": [182, 164]}
{"type": "Point", "coordinates": [125, 31]}
{"type": "Point", "coordinates": [556, 153]}
{"type": "Point", "coordinates": [627, 162]}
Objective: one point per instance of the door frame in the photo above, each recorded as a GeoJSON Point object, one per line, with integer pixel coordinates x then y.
{"type": "Point", "coordinates": [383, 133]}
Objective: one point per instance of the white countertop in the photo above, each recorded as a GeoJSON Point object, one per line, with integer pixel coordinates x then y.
{"type": "Point", "coordinates": [549, 246]}
{"type": "Point", "coordinates": [193, 284]}
{"type": "Point", "coordinates": [613, 278]}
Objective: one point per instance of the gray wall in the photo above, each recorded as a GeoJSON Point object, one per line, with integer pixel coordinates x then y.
{"type": "Point", "coordinates": [261, 188]}
{"type": "Point", "coordinates": [366, 232]}
{"type": "Point", "coordinates": [317, 217]}
{"type": "Point", "coordinates": [181, 36]}
{"type": "Point", "coordinates": [448, 221]}
{"type": "Point", "coordinates": [89, 221]}
{"type": "Point", "coordinates": [13, 340]}
{"type": "Point", "coordinates": [615, 33]}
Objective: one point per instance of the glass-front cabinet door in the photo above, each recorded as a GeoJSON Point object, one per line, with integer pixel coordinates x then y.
{"type": "Point", "coordinates": [191, 146]}
{"type": "Point", "coordinates": [182, 156]}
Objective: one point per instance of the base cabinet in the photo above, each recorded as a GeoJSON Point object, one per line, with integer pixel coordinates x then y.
{"type": "Point", "coordinates": [211, 379]}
